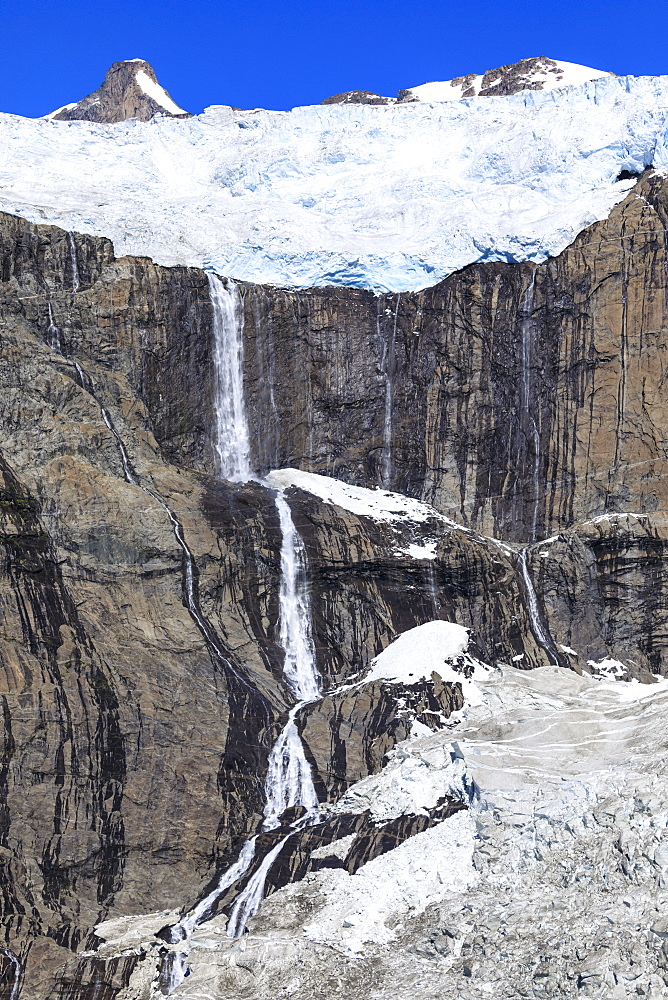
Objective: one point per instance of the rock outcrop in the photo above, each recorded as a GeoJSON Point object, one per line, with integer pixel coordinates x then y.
{"type": "Point", "coordinates": [518, 400]}
{"type": "Point", "coordinates": [140, 662]}
{"type": "Point", "coordinates": [357, 97]}
{"type": "Point", "coordinates": [535, 73]}
{"type": "Point", "coordinates": [130, 90]}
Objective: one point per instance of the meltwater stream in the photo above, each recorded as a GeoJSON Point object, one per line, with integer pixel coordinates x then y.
{"type": "Point", "coordinates": [13, 993]}
{"type": "Point", "coordinates": [289, 781]}
{"type": "Point", "coordinates": [538, 627]}
{"type": "Point", "coordinates": [231, 437]}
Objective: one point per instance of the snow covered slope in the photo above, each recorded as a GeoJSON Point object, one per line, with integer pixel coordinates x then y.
{"type": "Point", "coordinates": [392, 197]}
{"type": "Point", "coordinates": [528, 74]}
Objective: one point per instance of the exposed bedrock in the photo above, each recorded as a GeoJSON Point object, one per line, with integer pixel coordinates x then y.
{"type": "Point", "coordinates": [133, 755]}
{"type": "Point", "coordinates": [605, 591]}
{"type": "Point", "coordinates": [516, 399]}
{"type": "Point", "coordinates": [520, 401]}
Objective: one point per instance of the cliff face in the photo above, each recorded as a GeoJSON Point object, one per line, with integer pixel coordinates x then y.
{"type": "Point", "coordinates": [140, 662]}
{"type": "Point", "coordinates": [518, 400]}
{"type": "Point", "coordinates": [135, 735]}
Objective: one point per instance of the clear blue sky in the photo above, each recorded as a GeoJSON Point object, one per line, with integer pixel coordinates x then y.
{"type": "Point", "coordinates": [277, 55]}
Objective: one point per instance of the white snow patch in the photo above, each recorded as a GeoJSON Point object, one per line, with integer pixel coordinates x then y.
{"type": "Point", "coordinates": [419, 729]}
{"type": "Point", "coordinates": [401, 883]}
{"type": "Point", "coordinates": [385, 197]}
{"type": "Point", "coordinates": [424, 550]}
{"type": "Point", "coordinates": [444, 90]}
{"type": "Point", "coordinates": [157, 93]}
{"type": "Point", "coordinates": [421, 651]}
{"type": "Point", "coordinates": [567, 649]}
{"type": "Point", "coordinates": [377, 504]}
{"type": "Point", "coordinates": [337, 849]}
{"type": "Point", "coordinates": [570, 75]}
{"type": "Point", "coordinates": [65, 107]}
{"type": "Point", "coordinates": [608, 666]}
{"type": "Point", "coordinates": [614, 517]}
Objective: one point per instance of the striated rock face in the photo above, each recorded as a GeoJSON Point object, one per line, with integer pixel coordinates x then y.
{"type": "Point", "coordinates": [604, 588]}
{"type": "Point", "coordinates": [141, 666]}
{"type": "Point", "coordinates": [518, 400]}
{"type": "Point", "coordinates": [135, 732]}
{"type": "Point", "coordinates": [130, 90]}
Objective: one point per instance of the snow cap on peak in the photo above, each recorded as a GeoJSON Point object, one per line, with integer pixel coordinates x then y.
{"type": "Point", "coordinates": [535, 73]}
{"type": "Point", "coordinates": [130, 90]}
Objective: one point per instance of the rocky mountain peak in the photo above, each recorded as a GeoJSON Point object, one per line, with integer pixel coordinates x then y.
{"type": "Point", "coordinates": [534, 73]}
{"type": "Point", "coordinates": [130, 90]}
{"type": "Point", "coordinates": [357, 97]}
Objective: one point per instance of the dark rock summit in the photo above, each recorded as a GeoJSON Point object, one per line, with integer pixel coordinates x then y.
{"type": "Point", "coordinates": [357, 97]}
{"type": "Point", "coordinates": [130, 90]}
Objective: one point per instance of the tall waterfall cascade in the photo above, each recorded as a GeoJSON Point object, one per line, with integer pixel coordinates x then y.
{"type": "Point", "coordinates": [538, 627]}
{"type": "Point", "coordinates": [232, 438]}
{"type": "Point", "coordinates": [76, 282]}
{"type": "Point", "coordinates": [528, 426]}
{"type": "Point", "coordinates": [289, 781]}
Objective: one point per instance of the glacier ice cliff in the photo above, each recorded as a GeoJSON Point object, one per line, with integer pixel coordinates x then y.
{"type": "Point", "coordinates": [391, 197]}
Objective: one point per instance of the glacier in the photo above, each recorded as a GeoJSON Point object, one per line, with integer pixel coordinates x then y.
{"type": "Point", "coordinates": [390, 198]}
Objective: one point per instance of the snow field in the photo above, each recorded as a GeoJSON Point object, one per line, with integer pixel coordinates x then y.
{"type": "Point", "coordinates": [385, 197]}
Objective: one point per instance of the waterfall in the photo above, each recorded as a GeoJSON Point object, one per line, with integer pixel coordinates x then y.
{"type": "Point", "coordinates": [76, 284]}
{"type": "Point", "coordinates": [295, 613]}
{"type": "Point", "coordinates": [539, 629]}
{"type": "Point", "coordinates": [13, 995]}
{"type": "Point", "coordinates": [232, 439]}
{"type": "Point", "coordinates": [174, 971]}
{"type": "Point", "coordinates": [527, 421]}
{"type": "Point", "coordinates": [188, 923]}
{"type": "Point", "coordinates": [250, 900]}
{"type": "Point", "coordinates": [53, 333]}
{"type": "Point", "coordinates": [289, 782]}
{"type": "Point", "coordinates": [387, 365]}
